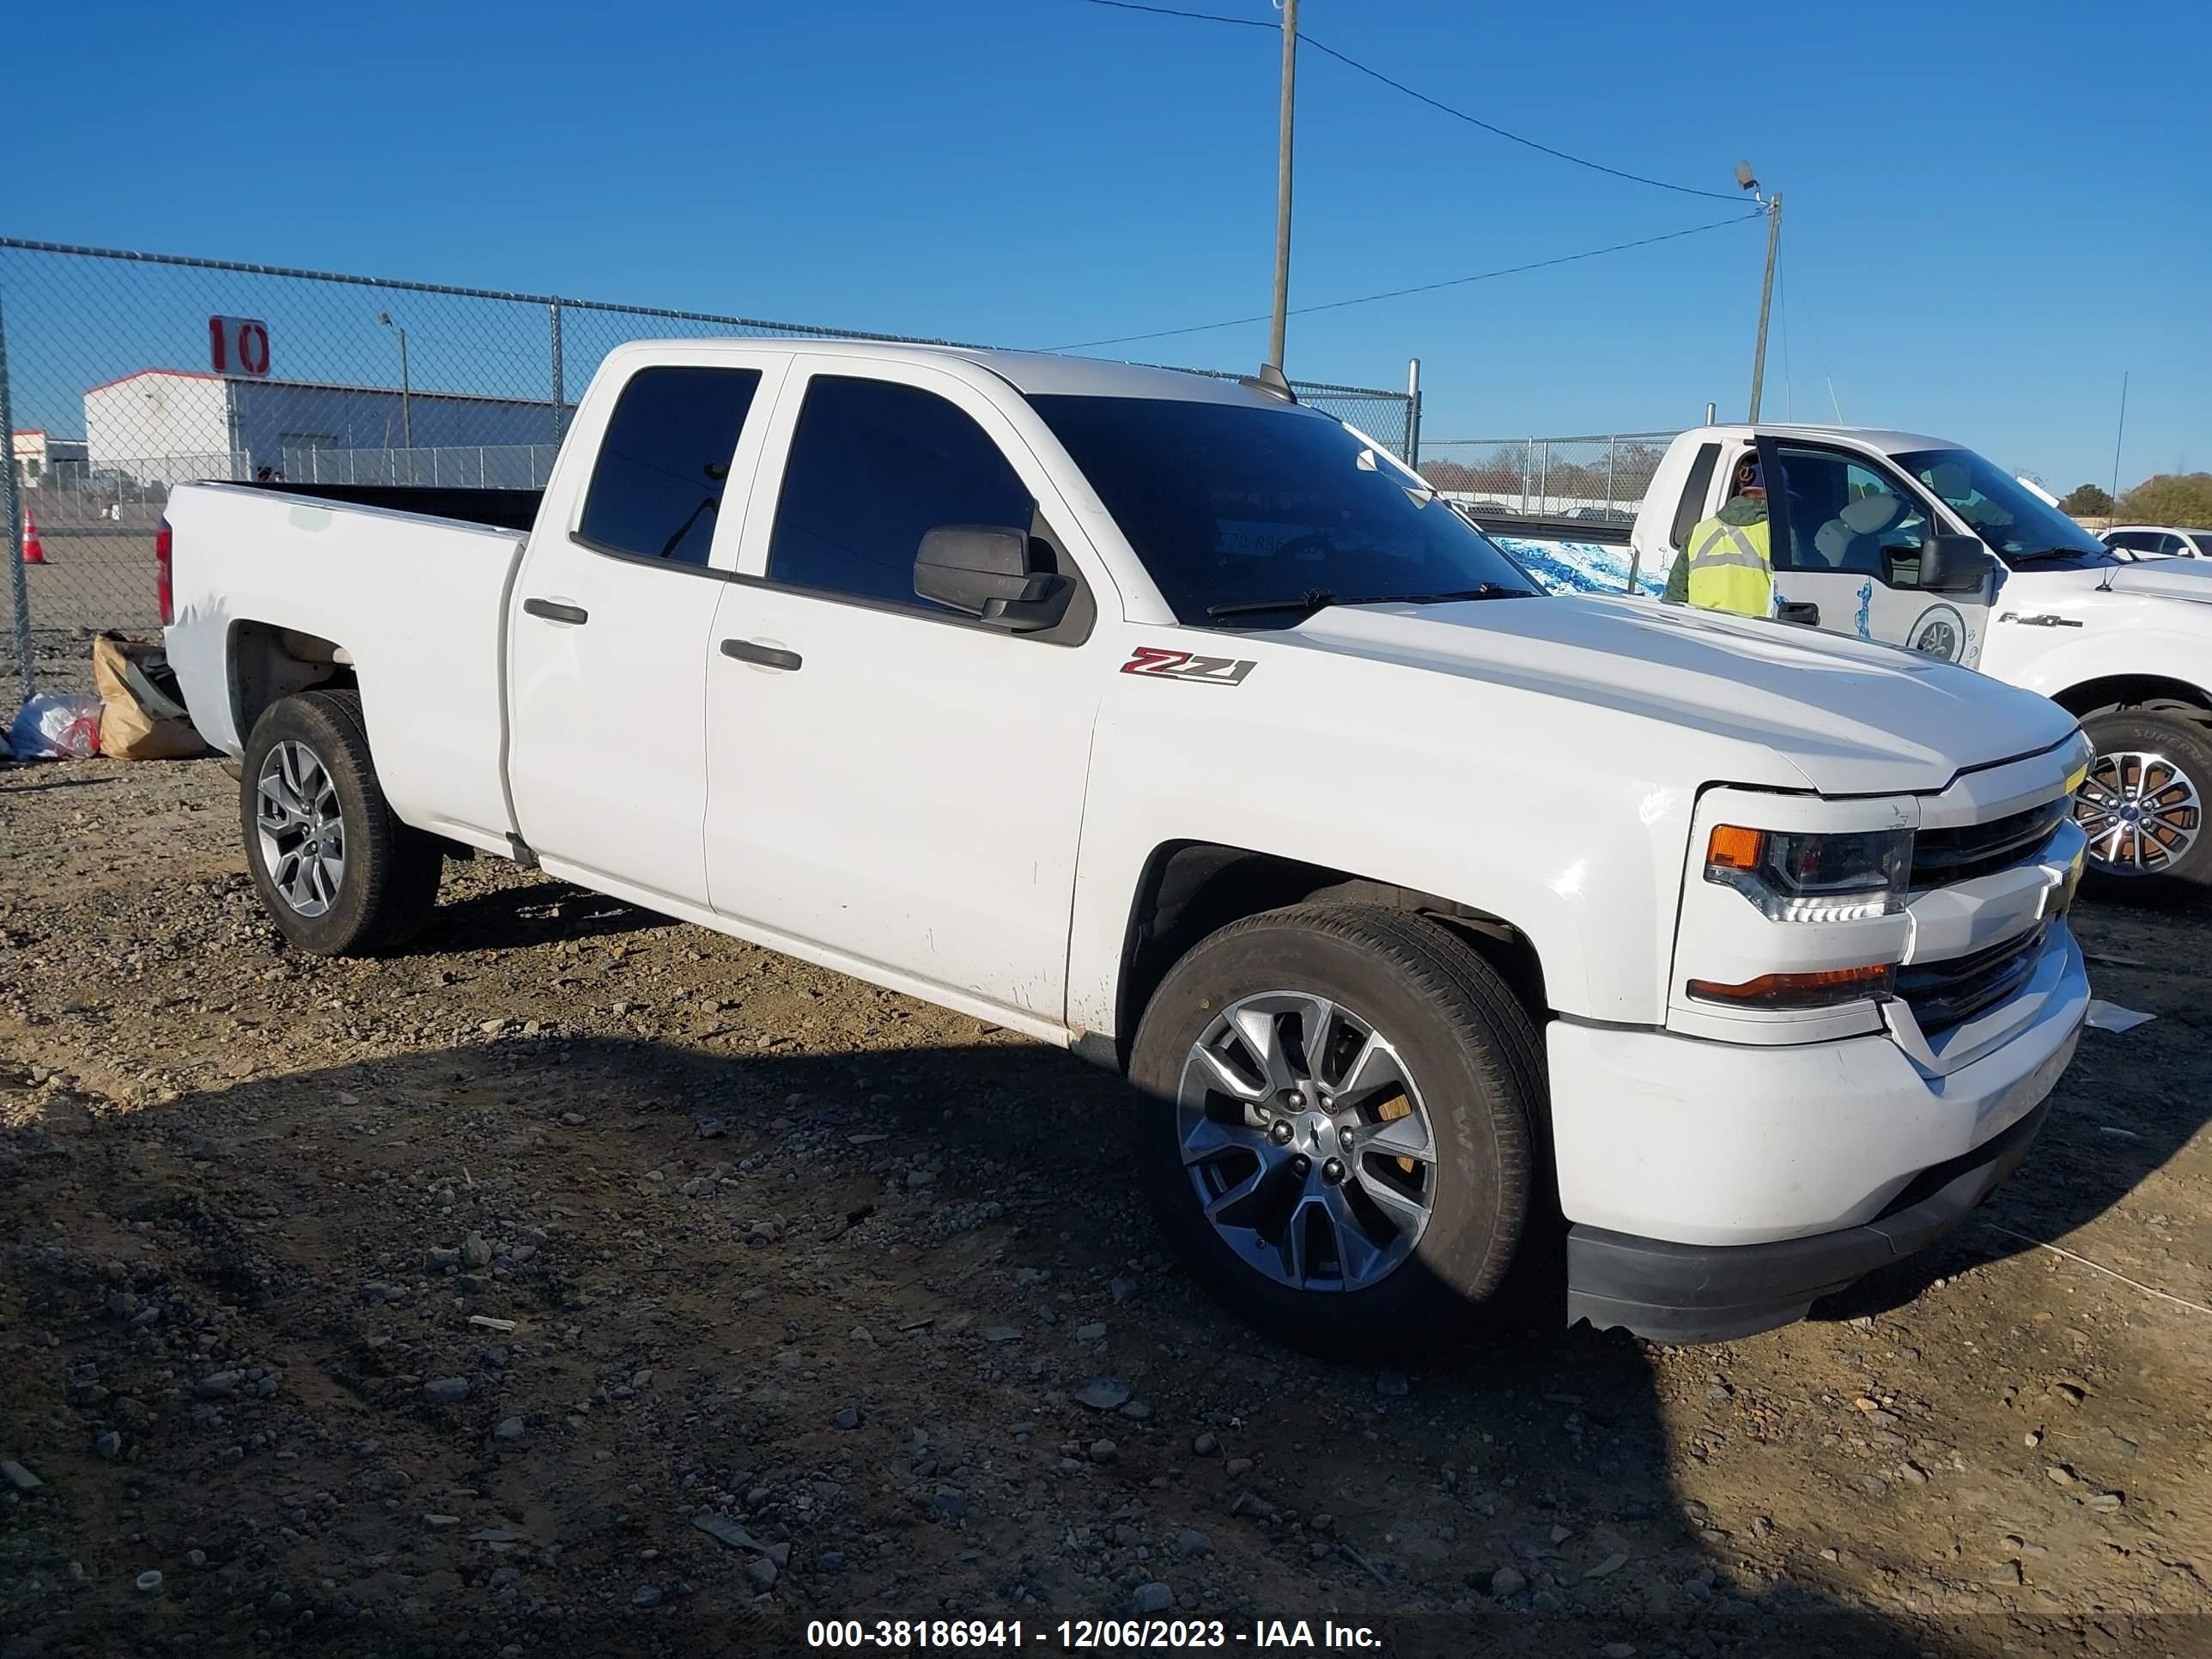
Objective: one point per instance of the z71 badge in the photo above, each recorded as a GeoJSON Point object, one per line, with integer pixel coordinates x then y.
{"type": "Point", "coordinates": [1164, 665]}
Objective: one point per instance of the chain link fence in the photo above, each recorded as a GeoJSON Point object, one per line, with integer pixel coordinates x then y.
{"type": "Point", "coordinates": [122, 374]}
{"type": "Point", "coordinates": [1600, 479]}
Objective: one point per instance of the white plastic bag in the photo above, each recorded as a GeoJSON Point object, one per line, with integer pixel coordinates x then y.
{"type": "Point", "coordinates": [57, 726]}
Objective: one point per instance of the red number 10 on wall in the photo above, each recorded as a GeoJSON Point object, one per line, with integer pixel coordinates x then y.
{"type": "Point", "coordinates": [238, 345]}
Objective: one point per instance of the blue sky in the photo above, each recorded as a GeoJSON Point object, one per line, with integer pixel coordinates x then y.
{"type": "Point", "coordinates": [1992, 210]}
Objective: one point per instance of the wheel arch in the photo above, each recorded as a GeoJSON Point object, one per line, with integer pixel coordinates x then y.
{"type": "Point", "coordinates": [2111, 691]}
{"type": "Point", "coordinates": [1188, 889]}
{"type": "Point", "coordinates": [266, 663]}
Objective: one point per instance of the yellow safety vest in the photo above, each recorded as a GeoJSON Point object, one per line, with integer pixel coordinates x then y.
{"type": "Point", "coordinates": [1730, 570]}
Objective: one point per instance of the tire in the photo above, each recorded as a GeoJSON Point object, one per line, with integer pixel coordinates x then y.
{"type": "Point", "coordinates": [1467, 1066]}
{"type": "Point", "coordinates": [2159, 764]}
{"type": "Point", "coordinates": [382, 884]}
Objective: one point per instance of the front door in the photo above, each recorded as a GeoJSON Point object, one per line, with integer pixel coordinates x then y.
{"type": "Point", "coordinates": [889, 782]}
{"type": "Point", "coordinates": [1846, 534]}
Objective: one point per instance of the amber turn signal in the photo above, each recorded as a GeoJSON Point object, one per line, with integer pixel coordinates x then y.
{"type": "Point", "coordinates": [1820, 990]}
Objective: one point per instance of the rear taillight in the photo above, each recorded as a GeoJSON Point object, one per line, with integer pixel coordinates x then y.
{"type": "Point", "coordinates": [164, 587]}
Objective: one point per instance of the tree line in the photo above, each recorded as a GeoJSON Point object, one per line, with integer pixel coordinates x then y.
{"type": "Point", "coordinates": [2181, 499]}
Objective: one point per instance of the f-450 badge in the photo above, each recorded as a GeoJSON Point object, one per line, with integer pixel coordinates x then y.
{"type": "Point", "coordinates": [1161, 664]}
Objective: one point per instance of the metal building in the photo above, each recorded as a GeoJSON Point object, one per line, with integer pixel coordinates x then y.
{"type": "Point", "coordinates": [164, 426]}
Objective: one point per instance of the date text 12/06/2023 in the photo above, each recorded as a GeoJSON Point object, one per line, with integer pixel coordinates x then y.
{"type": "Point", "coordinates": [1090, 1635]}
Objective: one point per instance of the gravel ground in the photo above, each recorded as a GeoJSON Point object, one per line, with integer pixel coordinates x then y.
{"type": "Point", "coordinates": [583, 1283]}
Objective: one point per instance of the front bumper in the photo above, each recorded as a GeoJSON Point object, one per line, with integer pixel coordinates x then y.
{"type": "Point", "coordinates": [1708, 1293]}
{"type": "Point", "coordinates": [1714, 1188]}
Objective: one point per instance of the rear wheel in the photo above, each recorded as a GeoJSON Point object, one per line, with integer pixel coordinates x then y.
{"type": "Point", "coordinates": [1337, 1132]}
{"type": "Point", "coordinates": [2143, 805]}
{"type": "Point", "coordinates": [340, 875]}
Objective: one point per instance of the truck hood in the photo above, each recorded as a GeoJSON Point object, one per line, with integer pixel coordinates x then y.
{"type": "Point", "coordinates": [2164, 579]}
{"type": "Point", "coordinates": [1844, 717]}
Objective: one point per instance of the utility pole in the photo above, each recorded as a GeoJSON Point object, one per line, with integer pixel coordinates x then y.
{"type": "Point", "coordinates": [1283, 185]}
{"type": "Point", "coordinates": [1766, 300]}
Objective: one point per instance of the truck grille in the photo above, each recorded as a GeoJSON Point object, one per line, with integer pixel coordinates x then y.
{"type": "Point", "coordinates": [1941, 857]}
{"type": "Point", "coordinates": [1942, 994]}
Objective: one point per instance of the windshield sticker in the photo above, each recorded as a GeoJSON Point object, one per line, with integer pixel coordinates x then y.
{"type": "Point", "coordinates": [1164, 665]}
{"type": "Point", "coordinates": [1941, 632]}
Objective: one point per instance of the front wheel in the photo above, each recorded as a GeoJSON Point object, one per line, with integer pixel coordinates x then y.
{"type": "Point", "coordinates": [2143, 807]}
{"type": "Point", "coordinates": [1337, 1123]}
{"type": "Point", "coordinates": [338, 872]}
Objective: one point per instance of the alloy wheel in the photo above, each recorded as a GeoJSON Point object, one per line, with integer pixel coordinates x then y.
{"type": "Point", "coordinates": [1306, 1141]}
{"type": "Point", "coordinates": [302, 830]}
{"type": "Point", "coordinates": [2141, 813]}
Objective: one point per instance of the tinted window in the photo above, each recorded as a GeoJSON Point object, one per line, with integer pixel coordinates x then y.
{"type": "Point", "coordinates": [874, 467]}
{"type": "Point", "coordinates": [1844, 516]}
{"type": "Point", "coordinates": [657, 483]}
{"type": "Point", "coordinates": [1236, 504]}
{"type": "Point", "coordinates": [2128, 538]}
{"type": "Point", "coordinates": [2204, 540]}
{"type": "Point", "coordinates": [2017, 525]}
{"type": "Point", "coordinates": [1692, 507]}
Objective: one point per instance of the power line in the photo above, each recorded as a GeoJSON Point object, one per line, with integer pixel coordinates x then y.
{"type": "Point", "coordinates": [1477, 121]}
{"type": "Point", "coordinates": [1350, 61]}
{"type": "Point", "coordinates": [1422, 288]}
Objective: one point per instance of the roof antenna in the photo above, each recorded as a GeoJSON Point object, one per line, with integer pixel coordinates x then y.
{"type": "Point", "coordinates": [1270, 380]}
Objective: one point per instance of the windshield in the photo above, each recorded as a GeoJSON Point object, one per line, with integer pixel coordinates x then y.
{"type": "Point", "coordinates": [2002, 511]}
{"type": "Point", "coordinates": [1229, 504]}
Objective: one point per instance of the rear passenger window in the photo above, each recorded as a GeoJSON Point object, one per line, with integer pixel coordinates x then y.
{"type": "Point", "coordinates": [1691, 510]}
{"type": "Point", "coordinates": [657, 486]}
{"type": "Point", "coordinates": [874, 467]}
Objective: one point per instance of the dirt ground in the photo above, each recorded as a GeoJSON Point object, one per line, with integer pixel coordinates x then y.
{"type": "Point", "coordinates": [581, 1283]}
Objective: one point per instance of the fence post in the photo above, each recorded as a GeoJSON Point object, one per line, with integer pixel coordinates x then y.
{"type": "Point", "coordinates": [1612, 443]}
{"type": "Point", "coordinates": [1413, 413]}
{"type": "Point", "coordinates": [1528, 462]}
{"type": "Point", "coordinates": [560, 381]}
{"type": "Point", "coordinates": [11, 521]}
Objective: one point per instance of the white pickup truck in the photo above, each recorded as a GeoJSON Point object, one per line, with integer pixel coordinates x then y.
{"type": "Point", "coordinates": [1913, 541]}
{"type": "Point", "coordinates": [1160, 718]}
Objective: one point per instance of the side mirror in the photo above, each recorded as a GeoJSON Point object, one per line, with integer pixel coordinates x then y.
{"type": "Point", "coordinates": [1954, 564]}
{"type": "Point", "coordinates": [1944, 564]}
{"type": "Point", "coordinates": [983, 569]}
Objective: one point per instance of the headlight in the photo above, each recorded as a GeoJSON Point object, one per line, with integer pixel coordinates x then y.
{"type": "Point", "coordinates": [1797, 877]}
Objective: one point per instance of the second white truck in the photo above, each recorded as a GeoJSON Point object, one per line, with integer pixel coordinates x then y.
{"type": "Point", "coordinates": [1913, 541]}
{"type": "Point", "coordinates": [1159, 718]}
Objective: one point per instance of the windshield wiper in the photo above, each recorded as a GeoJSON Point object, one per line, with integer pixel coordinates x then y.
{"type": "Point", "coordinates": [2059, 553]}
{"type": "Point", "coordinates": [1319, 598]}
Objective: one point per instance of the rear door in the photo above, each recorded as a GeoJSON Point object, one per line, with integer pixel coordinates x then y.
{"type": "Point", "coordinates": [892, 783]}
{"type": "Point", "coordinates": [611, 623]}
{"type": "Point", "coordinates": [1845, 533]}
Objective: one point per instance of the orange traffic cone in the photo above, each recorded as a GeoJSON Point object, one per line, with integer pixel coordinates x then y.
{"type": "Point", "coordinates": [34, 550]}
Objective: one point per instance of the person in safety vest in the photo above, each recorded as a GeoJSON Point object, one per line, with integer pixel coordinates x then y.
{"type": "Point", "coordinates": [1726, 565]}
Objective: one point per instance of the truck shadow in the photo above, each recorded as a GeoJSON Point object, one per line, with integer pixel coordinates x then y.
{"type": "Point", "coordinates": [515, 916]}
{"type": "Point", "coordinates": [751, 1231]}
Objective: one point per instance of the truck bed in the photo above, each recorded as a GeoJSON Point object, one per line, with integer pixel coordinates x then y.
{"type": "Point", "coordinates": [406, 587]}
{"type": "Point", "coordinates": [495, 509]}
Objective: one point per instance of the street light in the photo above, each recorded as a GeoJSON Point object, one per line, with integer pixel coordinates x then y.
{"type": "Point", "coordinates": [407, 420]}
{"type": "Point", "coordinates": [1771, 206]}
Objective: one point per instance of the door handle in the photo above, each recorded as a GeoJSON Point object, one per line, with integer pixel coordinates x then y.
{"type": "Point", "coordinates": [768, 656]}
{"type": "Point", "coordinates": [554, 610]}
